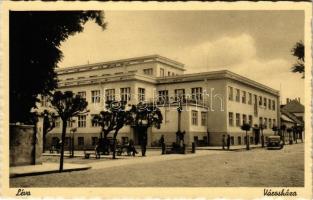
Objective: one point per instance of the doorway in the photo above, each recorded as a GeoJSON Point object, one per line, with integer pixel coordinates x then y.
{"type": "Point", "coordinates": [140, 134]}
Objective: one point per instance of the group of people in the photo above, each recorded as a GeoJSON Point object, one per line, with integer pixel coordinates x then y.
{"type": "Point", "coordinates": [105, 146]}
{"type": "Point", "coordinates": [226, 141]}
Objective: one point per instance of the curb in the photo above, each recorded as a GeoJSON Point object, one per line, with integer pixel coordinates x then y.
{"type": "Point", "coordinates": [14, 175]}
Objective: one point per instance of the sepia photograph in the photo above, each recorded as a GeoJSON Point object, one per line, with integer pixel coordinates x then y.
{"type": "Point", "coordinates": [159, 98]}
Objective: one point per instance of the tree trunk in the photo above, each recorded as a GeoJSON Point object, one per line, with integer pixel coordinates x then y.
{"type": "Point", "coordinates": [62, 144]}
{"type": "Point", "coordinates": [44, 139]}
{"type": "Point", "coordinates": [114, 144]}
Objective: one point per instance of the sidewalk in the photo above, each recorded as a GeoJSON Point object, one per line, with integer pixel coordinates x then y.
{"type": "Point", "coordinates": [44, 168]}
{"type": "Point", "coordinates": [231, 148]}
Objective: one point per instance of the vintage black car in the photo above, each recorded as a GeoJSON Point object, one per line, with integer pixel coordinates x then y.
{"type": "Point", "coordinates": [274, 142]}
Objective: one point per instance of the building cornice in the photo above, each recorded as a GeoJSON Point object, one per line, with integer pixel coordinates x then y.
{"type": "Point", "coordinates": [107, 79]}
{"type": "Point", "coordinates": [120, 63]}
{"type": "Point", "coordinates": [215, 75]}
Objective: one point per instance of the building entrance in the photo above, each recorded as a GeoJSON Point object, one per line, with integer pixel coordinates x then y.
{"type": "Point", "coordinates": [256, 135]}
{"type": "Point", "coordinates": [140, 135]}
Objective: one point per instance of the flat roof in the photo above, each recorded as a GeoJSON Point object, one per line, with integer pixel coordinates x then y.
{"type": "Point", "coordinates": [221, 74]}
{"type": "Point", "coordinates": [120, 63]}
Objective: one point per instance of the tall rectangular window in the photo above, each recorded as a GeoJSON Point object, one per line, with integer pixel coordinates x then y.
{"type": "Point", "coordinates": [196, 93]}
{"type": "Point", "coordinates": [273, 104]}
{"type": "Point", "coordinates": [260, 120]}
{"type": "Point", "coordinates": [270, 123]}
{"type": "Point", "coordinates": [255, 99]}
{"type": "Point", "coordinates": [95, 96]}
{"type": "Point", "coordinates": [110, 94]}
{"type": "Point", "coordinates": [250, 120]}
{"type": "Point", "coordinates": [82, 94]}
{"type": "Point", "coordinates": [194, 117]}
{"type": "Point", "coordinates": [231, 119]}
{"type": "Point", "coordinates": [265, 122]}
{"type": "Point", "coordinates": [237, 119]}
{"type": "Point", "coordinates": [179, 94]}
{"type": "Point", "coordinates": [141, 94]}
{"type": "Point", "coordinates": [44, 101]}
{"type": "Point", "coordinates": [81, 121]}
{"type": "Point", "coordinates": [237, 95]}
{"type": "Point", "coordinates": [81, 141]}
{"type": "Point", "coordinates": [125, 94]}
{"type": "Point", "coordinates": [230, 93]}
{"type": "Point", "coordinates": [94, 141]}
{"type": "Point", "coordinates": [265, 102]}
{"type": "Point", "coordinates": [274, 122]}
{"type": "Point", "coordinates": [168, 73]}
{"type": "Point", "coordinates": [269, 104]}
{"type": "Point", "coordinates": [244, 119]}
{"type": "Point", "coordinates": [161, 72]}
{"type": "Point", "coordinates": [163, 96]}
{"type": "Point", "coordinates": [250, 98]}
{"type": "Point", "coordinates": [70, 123]}
{"type": "Point", "coordinates": [67, 141]}
{"type": "Point", "coordinates": [239, 140]}
{"type": "Point", "coordinates": [93, 123]}
{"type": "Point", "coordinates": [244, 97]}
{"type": "Point", "coordinates": [260, 101]}
{"type": "Point", "coordinates": [148, 71]}
{"type": "Point", "coordinates": [203, 118]}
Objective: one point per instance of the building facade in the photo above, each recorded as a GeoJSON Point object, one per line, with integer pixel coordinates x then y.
{"type": "Point", "coordinates": [214, 103]}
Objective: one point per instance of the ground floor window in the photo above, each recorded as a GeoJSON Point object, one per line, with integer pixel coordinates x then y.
{"type": "Point", "coordinates": [232, 140]}
{"type": "Point", "coordinates": [55, 141]}
{"type": "Point", "coordinates": [239, 140]}
{"type": "Point", "coordinates": [251, 140]}
{"type": "Point", "coordinates": [81, 141]}
{"type": "Point", "coordinates": [67, 141]}
{"type": "Point", "coordinates": [94, 141]}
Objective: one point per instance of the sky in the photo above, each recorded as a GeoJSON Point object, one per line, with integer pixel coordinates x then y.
{"type": "Point", "coordinates": [255, 44]}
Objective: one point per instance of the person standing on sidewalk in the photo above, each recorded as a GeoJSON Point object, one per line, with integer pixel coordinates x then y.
{"type": "Point", "coordinates": [223, 142]}
{"type": "Point", "coordinates": [162, 143]}
{"type": "Point", "coordinates": [228, 141]}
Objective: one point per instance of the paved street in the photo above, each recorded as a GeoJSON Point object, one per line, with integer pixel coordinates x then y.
{"type": "Point", "coordinates": [207, 168]}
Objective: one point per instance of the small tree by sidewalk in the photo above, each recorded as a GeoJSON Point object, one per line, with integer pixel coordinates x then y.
{"type": "Point", "coordinates": [246, 127]}
{"type": "Point", "coordinates": [144, 116]}
{"type": "Point", "coordinates": [113, 119]}
{"type": "Point", "coordinates": [67, 105]}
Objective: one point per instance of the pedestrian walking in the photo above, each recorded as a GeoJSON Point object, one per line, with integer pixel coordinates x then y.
{"type": "Point", "coordinates": [223, 142]}
{"type": "Point", "coordinates": [228, 141]}
{"type": "Point", "coordinates": [97, 150]}
{"type": "Point", "coordinates": [162, 143]}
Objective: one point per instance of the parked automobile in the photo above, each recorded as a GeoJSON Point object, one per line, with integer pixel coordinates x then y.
{"type": "Point", "coordinates": [274, 142]}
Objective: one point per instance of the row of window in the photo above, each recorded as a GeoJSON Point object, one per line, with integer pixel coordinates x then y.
{"type": "Point", "coordinates": [267, 122]}
{"type": "Point", "coordinates": [80, 141]}
{"type": "Point", "coordinates": [81, 122]}
{"type": "Point", "coordinates": [196, 94]}
{"type": "Point", "coordinates": [194, 118]}
{"type": "Point", "coordinates": [125, 94]}
{"type": "Point", "coordinates": [149, 71]}
{"type": "Point", "coordinates": [239, 140]}
{"type": "Point", "coordinates": [244, 97]}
